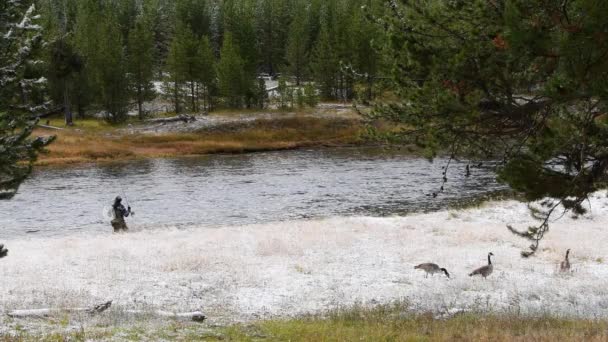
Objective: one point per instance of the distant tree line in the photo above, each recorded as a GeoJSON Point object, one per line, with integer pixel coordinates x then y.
{"type": "Point", "coordinates": [105, 54]}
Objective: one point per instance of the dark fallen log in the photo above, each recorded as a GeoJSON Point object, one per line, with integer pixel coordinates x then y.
{"type": "Point", "coordinates": [182, 117]}
{"type": "Point", "coordinates": [195, 316]}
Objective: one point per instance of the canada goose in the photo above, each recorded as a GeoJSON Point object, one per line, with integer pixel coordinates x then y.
{"type": "Point", "coordinates": [564, 266]}
{"type": "Point", "coordinates": [431, 268]}
{"type": "Point", "coordinates": [486, 270]}
{"type": "Point", "coordinates": [3, 251]}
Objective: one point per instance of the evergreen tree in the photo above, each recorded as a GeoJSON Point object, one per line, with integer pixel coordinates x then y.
{"type": "Point", "coordinates": [239, 22]}
{"type": "Point", "coordinates": [310, 95]}
{"type": "Point", "coordinates": [195, 15]}
{"type": "Point", "coordinates": [261, 93]}
{"type": "Point", "coordinates": [283, 91]}
{"type": "Point", "coordinates": [299, 98]}
{"type": "Point", "coordinates": [110, 71]}
{"type": "Point", "coordinates": [325, 64]}
{"type": "Point", "coordinates": [367, 53]}
{"type": "Point", "coordinates": [158, 16]}
{"type": "Point", "coordinates": [63, 61]}
{"type": "Point", "coordinates": [233, 83]}
{"type": "Point", "coordinates": [192, 62]}
{"type": "Point", "coordinates": [297, 45]}
{"type": "Point", "coordinates": [99, 40]}
{"type": "Point", "coordinates": [64, 64]}
{"type": "Point", "coordinates": [522, 81]}
{"type": "Point", "coordinates": [140, 63]}
{"type": "Point", "coordinates": [207, 75]}
{"type": "Point", "coordinates": [174, 81]}
{"type": "Point", "coordinates": [20, 40]}
{"type": "Point", "coordinates": [272, 22]}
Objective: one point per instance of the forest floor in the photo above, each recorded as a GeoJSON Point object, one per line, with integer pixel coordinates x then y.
{"type": "Point", "coordinates": [92, 140]}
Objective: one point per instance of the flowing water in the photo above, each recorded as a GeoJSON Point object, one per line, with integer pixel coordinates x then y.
{"type": "Point", "coordinates": [222, 190]}
{"type": "Point", "coordinates": [231, 236]}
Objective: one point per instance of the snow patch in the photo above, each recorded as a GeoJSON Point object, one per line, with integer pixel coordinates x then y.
{"type": "Point", "coordinates": [290, 268]}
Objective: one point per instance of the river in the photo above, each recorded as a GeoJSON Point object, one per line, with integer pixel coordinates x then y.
{"type": "Point", "coordinates": [221, 190]}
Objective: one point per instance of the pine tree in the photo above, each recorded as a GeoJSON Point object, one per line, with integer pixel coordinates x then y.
{"type": "Point", "coordinates": [520, 81]}
{"type": "Point", "coordinates": [283, 91]}
{"type": "Point", "coordinates": [100, 41]}
{"type": "Point", "coordinates": [192, 62]}
{"type": "Point", "coordinates": [140, 63]}
{"type": "Point", "coordinates": [299, 98]}
{"type": "Point", "coordinates": [272, 22]}
{"type": "Point", "coordinates": [64, 63]}
{"type": "Point", "coordinates": [173, 82]}
{"type": "Point", "coordinates": [110, 71]}
{"type": "Point", "coordinates": [231, 73]}
{"type": "Point", "coordinates": [239, 22]}
{"type": "Point", "coordinates": [310, 95]}
{"type": "Point", "coordinates": [367, 45]}
{"type": "Point", "coordinates": [195, 15]}
{"type": "Point", "coordinates": [297, 45]}
{"type": "Point", "coordinates": [158, 15]}
{"type": "Point", "coordinates": [20, 40]}
{"type": "Point", "coordinates": [207, 75]}
{"type": "Point", "coordinates": [261, 93]}
{"type": "Point", "coordinates": [325, 64]}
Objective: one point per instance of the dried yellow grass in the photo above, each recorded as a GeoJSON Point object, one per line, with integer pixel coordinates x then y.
{"type": "Point", "coordinates": [98, 144]}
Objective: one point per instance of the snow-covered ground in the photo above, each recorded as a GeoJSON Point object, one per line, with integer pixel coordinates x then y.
{"type": "Point", "coordinates": [289, 268]}
{"type": "Point", "coordinates": [232, 121]}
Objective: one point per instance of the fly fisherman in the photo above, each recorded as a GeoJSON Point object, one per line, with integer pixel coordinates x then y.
{"type": "Point", "coordinates": [118, 223]}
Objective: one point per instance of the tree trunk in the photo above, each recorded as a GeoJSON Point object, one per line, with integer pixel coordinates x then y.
{"type": "Point", "coordinates": [66, 104]}
{"type": "Point", "coordinates": [193, 96]}
{"type": "Point", "coordinates": [370, 88]}
{"type": "Point", "coordinates": [176, 97]}
{"type": "Point", "coordinates": [140, 105]}
{"type": "Point", "coordinates": [81, 111]}
{"type": "Point", "coordinates": [205, 108]}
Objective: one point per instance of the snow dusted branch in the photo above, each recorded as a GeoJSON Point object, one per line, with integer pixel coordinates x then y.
{"type": "Point", "coordinates": [195, 316]}
{"type": "Point", "coordinates": [44, 313]}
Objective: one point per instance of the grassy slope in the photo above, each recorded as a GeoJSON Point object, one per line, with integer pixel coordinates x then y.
{"type": "Point", "coordinates": [92, 141]}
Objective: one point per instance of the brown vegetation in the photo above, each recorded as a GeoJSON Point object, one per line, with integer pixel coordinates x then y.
{"type": "Point", "coordinates": [92, 143]}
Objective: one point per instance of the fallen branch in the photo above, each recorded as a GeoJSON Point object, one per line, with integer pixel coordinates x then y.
{"type": "Point", "coordinates": [195, 316]}
{"type": "Point", "coordinates": [44, 313]}
{"type": "Point", "coordinates": [51, 127]}
{"type": "Point", "coordinates": [182, 117]}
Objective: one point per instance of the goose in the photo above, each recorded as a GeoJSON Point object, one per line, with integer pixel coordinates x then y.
{"type": "Point", "coordinates": [564, 266]}
{"type": "Point", "coordinates": [3, 251]}
{"type": "Point", "coordinates": [431, 268]}
{"type": "Point", "coordinates": [486, 270]}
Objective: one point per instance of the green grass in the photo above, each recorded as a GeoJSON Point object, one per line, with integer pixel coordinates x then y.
{"type": "Point", "coordinates": [381, 323]}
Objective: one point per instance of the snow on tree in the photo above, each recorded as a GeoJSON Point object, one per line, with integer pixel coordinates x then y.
{"type": "Point", "coordinates": [20, 96]}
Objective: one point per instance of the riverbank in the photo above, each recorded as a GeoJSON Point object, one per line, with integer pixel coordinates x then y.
{"type": "Point", "coordinates": [253, 273]}
{"type": "Point", "coordinates": [94, 141]}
